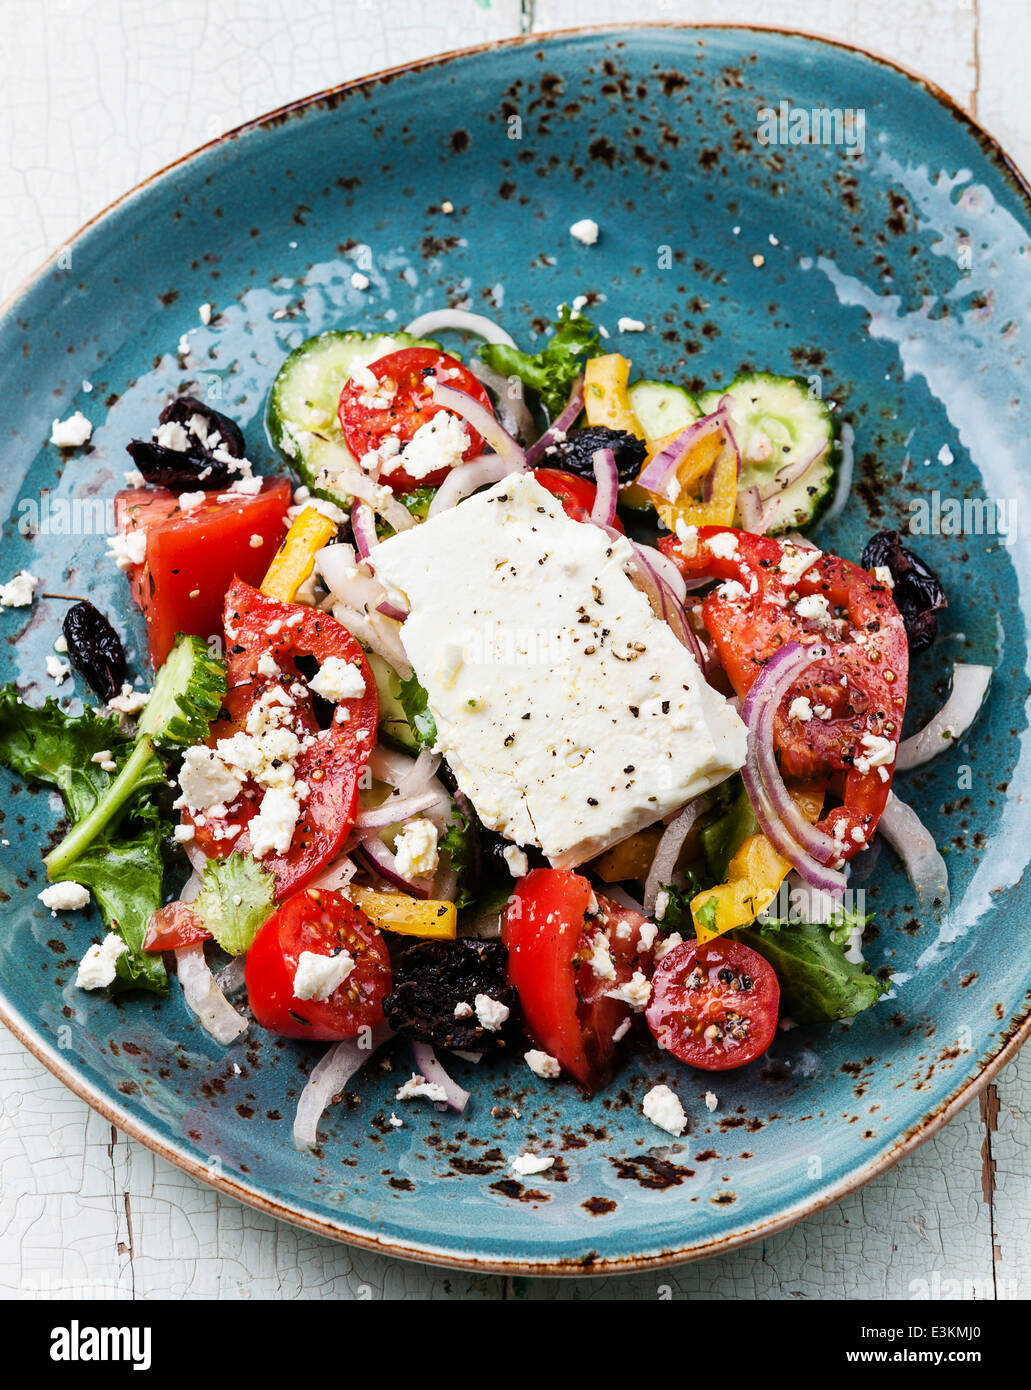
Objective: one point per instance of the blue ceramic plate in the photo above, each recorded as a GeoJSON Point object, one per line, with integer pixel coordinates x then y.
{"type": "Point", "coordinates": [897, 274]}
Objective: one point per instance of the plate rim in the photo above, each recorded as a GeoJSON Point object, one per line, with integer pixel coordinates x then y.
{"type": "Point", "coordinates": [1015, 1031]}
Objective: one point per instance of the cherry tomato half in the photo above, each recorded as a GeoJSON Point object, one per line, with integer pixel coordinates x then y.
{"type": "Point", "coordinates": [324, 922]}
{"type": "Point", "coordinates": [408, 377]}
{"type": "Point", "coordinates": [714, 1006]}
{"type": "Point", "coordinates": [575, 493]}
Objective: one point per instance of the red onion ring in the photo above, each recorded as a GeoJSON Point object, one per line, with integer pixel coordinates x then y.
{"type": "Point", "coordinates": [363, 525]}
{"type": "Point", "coordinates": [395, 809]}
{"type": "Point", "coordinates": [466, 479]}
{"type": "Point", "coordinates": [483, 422]}
{"type": "Point", "coordinates": [566, 417]}
{"type": "Point", "coordinates": [914, 844]}
{"type": "Point", "coordinates": [667, 851]}
{"type": "Point", "coordinates": [429, 1066]}
{"type": "Point", "coordinates": [603, 513]}
{"type": "Point", "coordinates": [664, 465]}
{"type": "Point", "coordinates": [378, 857]}
{"type": "Point", "coordinates": [330, 1074]}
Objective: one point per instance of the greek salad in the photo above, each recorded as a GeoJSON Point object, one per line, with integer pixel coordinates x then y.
{"type": "Point", "coordinates": [523, 719]}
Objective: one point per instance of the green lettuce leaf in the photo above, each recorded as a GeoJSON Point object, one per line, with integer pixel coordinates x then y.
{"type": "Point", "coordinates": [552, 371]}
{"type": "Point", "coordinates": [234, 901]}
{"type": "Point", "coordinates": [415, 703]}
{"type": "Point", "coordinates": [817, 983]}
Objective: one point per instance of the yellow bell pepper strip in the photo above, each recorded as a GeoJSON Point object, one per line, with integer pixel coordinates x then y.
{"type": "Point", "coordinates": [691, 470]}
{"type": "Point", "coordinates": [754, 875]}
{"type": "Point", "coordinates": [397, 912]}
{"type": "Point", "coordinates": [631, 858]}
{"type": "Point", "coordinates": [607, 402]}
{"type": "Point", "coordinates": [294, 560]}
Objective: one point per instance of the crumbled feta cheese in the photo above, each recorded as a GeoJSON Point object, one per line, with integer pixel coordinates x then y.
{"type": "Point", "coordinates": [667, 944]}
{"type": "Point", "coordinates": [542, 1064]}
{"type": "Point", "coordinates": [57, 670]}
{"type": "Point", "coordinates": [415, 849]}
{"type": "Point", "coordinates": [205, 780]}
{"type": "Point", "coordinates": [688, 538]}
{"type": "Point", "coordinates": [267, 665]}
{"type": "Point", "coordinates": [395, 1122]}
{"type": "Point", "coordinates": [359, 281]}
{"type": "Point", "coordinates": [71, 433]}
{"type": "Point", "coordinates": [17, 592]}
{"type": "Point", "coordinates": [64, 897]}
{"type": "Point", "coordinates": [417, 1087]}
{"type": "Point", "coordinates": [439, 443]}
{"type": "Point", "coordinates": [814, 607]}
{"type": "Point", "coordinates": [636, 991]}
{"type": "Point", "coordinates": [621, 1031]}
{"type": "Point", "coordinates": [338, 679]}
{"type": "Point", "coordinates": [526, 1165]}
{"type": "Point", "coordinates": [463, 1010]}
{"type": "Point", "coordinates": [945, 455]}
{"type": "Point", "coordinates": [723, 544]}
{"type": "Point", "coordinates": [649, 931]}
{"type": "Point", "coordinates": [204, 313]}
{"type": "Point", "coordinates": [800, 708]}
{"type": "Point", "coordinates": [273, 827]}
{"type": "Point", "coordinates": [129, 701]}
{"type": "Point", "coordinates": [732, 591]}
{"type": "Point", "coordinates": [758, 261]}
{"type": "Point", "coordinates": [317, 976]}
{"type": "Point", "coordinates": [490, 1013]}
{"type": "Point", "coordinates": [98, 966]}
{"type": "Point", "coordinates": [662, 1106]}
{"type": "Point", "coordinates": [105, 760]}
{"type": "Point", "coordinates": [184, 834]}
{"type": "Point", "coordinates": [585, 231]}
{"type": "Point", "coordinates": [128, 549]}
{"type": "Point", "coordinates": [884, 576]}
{"type": "Point", "coordinates": [877, 752]}
{"type": "Point", "coordinates": [515, 858]}
{"type": "Point", "coordinates": [600, 960]}
{"type": "Point", "coordinates": [256, 541]}
{"type": "Point", "coordinates": [190, 501]}
{"type": "Point", "coordinates": [630, 326]}
{"type": "Point", "coordinates": [172, 435]}
{"type": "Point", "coordinates": [795, 561]}
{"type": "Point", "coordinates": [711, 1101]}
{"type": "Point", "coordinates": [61, 643]}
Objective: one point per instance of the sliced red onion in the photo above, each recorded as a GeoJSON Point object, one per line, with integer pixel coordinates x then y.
{"type": "Point", "coordinates": [656, 477]}
{"type": "Point", "coordinates": [667, 851]}
{"type": "Point", "coordinates": [914, 844]}
{"type": "Point", "coordinates": [371, 631]}
{"type": "Point", "coordinates": [618, 894]}
{"type": "Point", "coordinates": [363, 524]}
{"type": "Point", "coordinates": [603, 513]}
{"type": "Point", "coordinates": [328, 1078]}
{"type": "Point", "coordinates": [338, 875]}
{"type": "Point", "coordinates": [204, 998]}
{"type": "Point", "coordinates": [665, 569]}
{"type": "Point", "coordinates": [466, 479]}
{"type": "Point", "coordinates": [566, 418]}
{"type": "Point", "coordinates": [483, 422]}
{"type": "Point", "coordinates": [783, 825]}
{"type": "Point", "coordinates": [379, 498]}
{"type": "Point", "coordinates": [407, 775]}
{"type": "Point", "coordinates": [750, 510]}
{"type": "Point", "coordinates": [791, 473]}
{"type": "Point", "coordinates": [429, 1066]}
{"type": "Point", "coordinates": [436, 321]}
{"type": "Point", "coordinates": [395, 809]}
{"type": "Point", "coordinates": [511, 403]}
{"type": "Point", "coordinates": [379, 857]}
{"type": "Point", "coordinates": [663, 601]}
{"type": "Point", "coordinates": [231, 978]}
{"type": "Point", "coordinates": [969, 686]}
{"type": "Point", "coordinates": [391, 610]}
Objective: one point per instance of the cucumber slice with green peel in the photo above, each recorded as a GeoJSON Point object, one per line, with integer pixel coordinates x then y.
{"type": "Point", "coordinates": [186, 698]}
{"type": "Point", "coordinates": [788, 452]}
{"type": "Point", "coordinates": [661, 407]}
{"type": "Point", "coordinates": [302, 408]}
{"type": "Point", "coordinates": [393, 722]}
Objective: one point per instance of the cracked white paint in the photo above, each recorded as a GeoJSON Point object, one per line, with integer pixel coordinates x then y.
{"type": "Point", "coordinates": [96, 96]}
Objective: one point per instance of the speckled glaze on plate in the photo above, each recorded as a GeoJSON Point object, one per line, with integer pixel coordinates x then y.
{"type": "Point", "coordinates": [899, 277]}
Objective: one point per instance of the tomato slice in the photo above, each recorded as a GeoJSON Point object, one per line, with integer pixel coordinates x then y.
{"type": "Point", "coordinates": [173, 927]}
{"type": "Point", "coordinates": [192, 557]}
{"type": "Point", "coordinates": [325, 923]}
{"type": "Point", "coordinates": [714, 1006]}
{"type": "Point", "coordinates": [859, 689]}
{"type": "Point", "coordinates": [403, 404]}
{"type": "Point", "coordinates": [575, 493]}
{"type": "Point", "coordinates": [551, 939]}
{"type": "Point", "coordinates": [259, 627]}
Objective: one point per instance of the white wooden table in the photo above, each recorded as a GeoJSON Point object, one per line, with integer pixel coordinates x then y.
{"type": "Point", "coordinates": [96, 94]}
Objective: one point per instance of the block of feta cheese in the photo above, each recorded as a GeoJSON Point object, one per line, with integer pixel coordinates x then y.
{"type": "Point", "coordinates": [570, 714]}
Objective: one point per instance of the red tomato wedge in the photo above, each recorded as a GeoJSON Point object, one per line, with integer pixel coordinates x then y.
{"type": "Point", "coordinates": [324, 923]}
{"type": "Point", "coordinates": [551, 938]}
{"type": "Point", "coordinates": [192, 557]}
{"type": "Point", "coordinates": [333, 759]}
{"type": "Point", "coordinates": [173, 927]}
{"type": "Point", "coordinates": [575, 493]}
{"type": "Point", "coordinates": [714, 1006]}
{"type": "Point", "coordinates": [403, 404]}
{"type": "Point", "coordinates": [858, 690]}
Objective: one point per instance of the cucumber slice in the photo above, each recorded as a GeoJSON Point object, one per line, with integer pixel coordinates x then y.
{"type": "Point", "coordinates": [302, 408]}
{"type": "Point", "coordinates": [778, 425]}
{"type": "Point", "coordinates": [393, 722]}
{"type": "Point", "coordinates": [661, 407]}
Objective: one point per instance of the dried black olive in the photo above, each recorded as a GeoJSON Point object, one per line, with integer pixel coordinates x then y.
{"type": "Point", "coordinates": [576, 452]}
{"type": "Point", "coordinates": [918, 593]}
{"type": "Point", "coordinates": [194, 468]}
{"type": "Point", "coordinates": [436, 977]}
{"type": "Point", "coordinates": [95, 649]}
